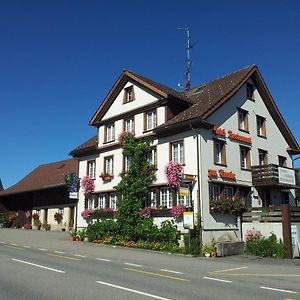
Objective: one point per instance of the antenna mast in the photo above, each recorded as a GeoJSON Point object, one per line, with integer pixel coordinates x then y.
{"type": "Point", "coordinates": [187, 84]}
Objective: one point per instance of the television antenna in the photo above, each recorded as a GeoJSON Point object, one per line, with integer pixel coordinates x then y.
{"type": "Point", "coordinates": [187, 84]}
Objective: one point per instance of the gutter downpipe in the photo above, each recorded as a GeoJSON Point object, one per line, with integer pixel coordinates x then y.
{"type": "Point", "coordinates": [199, 184]}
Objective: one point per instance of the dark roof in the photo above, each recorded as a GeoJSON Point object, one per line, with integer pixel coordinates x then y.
{"type": "Point", "coordinates": [44, 176]}
{"type": "Point", "coordinates": [1, 186]}
{"type": "Point", "coordinates": [210, 95]}
{"type": "Point", "coordinates": [90, 146]}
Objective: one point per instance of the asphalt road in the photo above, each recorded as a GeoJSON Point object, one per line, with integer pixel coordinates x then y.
{"type": "Point", "coordinates": [45, 265]}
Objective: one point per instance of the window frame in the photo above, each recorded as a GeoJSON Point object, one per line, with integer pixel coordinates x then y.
{"type": "Point", "coordinates": [168, 201]}
{"type": "Point", "coordinates": [105, 169]}
{"type": "Point", "coordinates": [127, 92]}
{"type": "Point", "coordinates": [110, 136]}
{"type": "Point", "coordinates": [222, 152]}
{"type": "Point", "coordinates": [102, 200]}
{"type": "Point", "coordinates": [152, 157]}
{"type": "Point", "coordinates": [261, 126]}
{"type": "Point", "coordinates": [245, 159]}
{"type": "Point", "coordinates": [146, 120]}
{"type": "Point", "coordinates": [152, 198]}
{"type": "Point", "coordinates": [132, 130]}
{"type": "Point", "coordinates": [282, 161]}
{"type": "Point", "coordinates": [180, 154]}
{"type": "Point", "coordinates": [113, 204]}
{"type": "Point", "coordinates": [243, 120]}
{"type": "Point", "coordinates": [89, 172]}
{"type": "Point", "coordinates": [250, 88]}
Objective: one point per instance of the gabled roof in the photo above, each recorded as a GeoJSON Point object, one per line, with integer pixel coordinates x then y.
{"type": "Point", "coordinates": [212, 95]}
{"type": "Point", "coordinates": [86, 148]}
{"type": "Point", "coordinates": [45, 176]}
{"type": "Point", "coordinates": [161, 90]}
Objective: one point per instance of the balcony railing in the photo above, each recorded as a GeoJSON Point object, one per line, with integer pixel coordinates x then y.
{"type": "Point", "coordinates": [273, 176]}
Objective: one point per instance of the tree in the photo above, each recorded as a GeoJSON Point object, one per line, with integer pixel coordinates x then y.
{"type": "Point", "coordinates": [134, 185]}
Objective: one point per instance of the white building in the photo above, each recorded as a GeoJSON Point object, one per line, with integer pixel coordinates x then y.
{"type": "Point", "coordinates": [225, 132]}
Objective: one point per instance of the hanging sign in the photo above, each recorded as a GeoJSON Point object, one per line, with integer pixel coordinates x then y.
{"type": "Point", "coordinates": [188, 177]}
{"type": "Point", "coordinates": [184, 190]}
{"type": "Point", "coordinates": [238, 137]}
{"type": "Point", "coordinates": [188, 220]}
{"type": "Point", "coordinates": [73, 195]}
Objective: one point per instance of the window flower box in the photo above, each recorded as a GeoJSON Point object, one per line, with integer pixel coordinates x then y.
{"type": "Point", "coordinates": [107, 177]}
{"type": "Point", "coordinates": [105, 213]}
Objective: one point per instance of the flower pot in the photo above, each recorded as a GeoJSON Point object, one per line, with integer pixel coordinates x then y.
{"type": "Point", "coordinates": [207, 254]}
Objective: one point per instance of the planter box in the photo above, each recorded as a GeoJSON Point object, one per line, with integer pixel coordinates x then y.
{"type": "Point", "coordinates": [161, 213]}
{"type": "Point", "coordinates": [230, 248]}
{"type": "Point", "coordinates": [103, 215]}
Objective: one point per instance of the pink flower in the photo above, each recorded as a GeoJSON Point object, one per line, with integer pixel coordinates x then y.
{"type": "Point", "coordinates": [88, 185]}
{"type": "Point", "coordinates": [174, 173]}
{"type": "Point", "coordinates": [177, 211]}
{"type": "Point", "coordinates": [87, 213]}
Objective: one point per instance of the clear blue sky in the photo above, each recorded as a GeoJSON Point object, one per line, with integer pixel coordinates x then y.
{"type": "Point", "coordinates": [58, 60]}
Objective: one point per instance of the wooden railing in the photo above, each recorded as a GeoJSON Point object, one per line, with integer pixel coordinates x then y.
{"type": "Point", "coordinates": [270, 214]}
{"type": "Point", "coordinates": [268, 175]}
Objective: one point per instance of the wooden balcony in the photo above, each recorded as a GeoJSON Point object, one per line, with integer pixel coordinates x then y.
{"type": "Point", "coordinates": [273, 176]}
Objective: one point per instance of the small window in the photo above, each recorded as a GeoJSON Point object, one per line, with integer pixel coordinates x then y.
{"type": "Point", "coordinates": [109, 165]}
{"type": "Point", "coordinates": [243, 120]}
{"type": "Point", "coordinates": [250, 91]}
{"type": "Point", "coordinates": [262, 157]}
{"type": "Point", "coordinates": [261, 126]}
{"type": "Point", "coordinates": [219, 152]}
{"type": "Point", "coordinates": [153, 156]}
{"type": "Point", "coordinates": [102, 200]}
{"type": "Point", "coordinates": [91, 202]}
{"type": "Point", "coordinates": [129, 125]}
{"type": "Point", "coordinates": [281, 161]}
{"type": "Point", "coordinates": [228, 192]}
{"type": "Point", "coordinates": [166, 197]}
{"type": "Point", "coordinates": [150, 120]}
{"type": "Point", "coordinates": [91, 168]}
{"type": "Point", "coordinates": [182, 200]}
{"type": "Point", "coordinates": [177, 152]}
{"type": "Point", "coordinates": [216, 192]}
{"type": "Point", "coordinates": [113, 201]}
{"type": "Point", "coordinates": [128, 94]}
{"type": "Point", "coordinates": [153, 201]}
{"type": "Point", "coordinates": [110, 133]}
{"type": "Point", "coordinates": [127, 162]}
{"type": "Point", "coordinates": [245, 158]}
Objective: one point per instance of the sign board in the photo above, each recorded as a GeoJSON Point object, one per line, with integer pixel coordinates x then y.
{"type": "Point", "coordinates": [286, 176]}
{"type": "Point", "coordinates": [188, 220]}
{"type": "Point", "coordinates": [184, 190]}
{"type": "Point", "coordinates": [188, 177]}
{"type": "Point", "coordinates": [295, 240]}
{"type": "Point", "coordinates": [73, 195]}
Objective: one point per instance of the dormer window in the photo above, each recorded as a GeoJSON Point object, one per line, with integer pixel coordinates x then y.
{"type": "Point", "coordinates": [250, 91]}
{"type": "Point", "coordinates": [128, 94]}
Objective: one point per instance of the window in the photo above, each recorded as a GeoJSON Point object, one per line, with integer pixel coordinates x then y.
{"type": "Point", "coordinates": [245, 158]}
{"type": "Point", "coordinates": [153, 156]}
{"type": "Point", "coordinates": [129, 125]}
{"type": "Point", "coordinates": [91, 202]}
{"type": "Point", "coordinates": [177, 152]}
{"type": "Point", "coordinates": [243, 120]}
{"type": "Point", "coordinates": [262, 157]}
{"type": "Point", "coordinates": [182, 200]}
{"type": "Point", "coordinates": [109, 165]}
{"type": "Point", "coordinates": [113, 201]}
{"type": "Point", "coordinates": [110, 133]}
{"type": "Point", "coordinates": [228, 192]}
{"type": "Point", "coordinates": [128, 94]}
{"type": "Point", "coordinates": [153, 202]}
{"type": "Point", "coordinates": [281, 161]}
{"type": "Point", "coordinates": [166, 197]}
{"type": "Point", "coordinates": [216, 192]}
{"type": "Point", "coordinates": [91, 168]}
{"type": "Point", "coordinates": [250, 91]}
{"type": "Point", "coordinates": [150, 119]}
{"type": "Point", "coordinates": [219, 152]}
{"type": "Point", "coordinates": [102, 201]}
{"type": "Point", "coordinates": [261, 126]}
{"type": "Point", "coordinates": [127, 161]}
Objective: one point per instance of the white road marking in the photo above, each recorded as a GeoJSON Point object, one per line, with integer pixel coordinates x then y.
{"type": "Point", "coordinates": [13, 244]}
{"type": "Point", "coordinates": [133, 265]}
{"type": "Point", "coordinates": [227, 270]}
{"type": "Point", "coordinates": [133, 291]}
{"type": "Point", "coordinates": [170, 271]}
{"type": "Point", "coordinates": [59, 252]}
{"type": "Point", "coordinates": [2, 242]}
{"type": "Point", "coordinates": [278, 290]}
{"type": "Point", "coordinates": [216, 279]}
{"type": "Point", "coordinates": [39, 266]}
{"type": "Point", "coordinates": [103, 259]}
{"type": "Point", "coordinates": [26, 246]}
{"type": "Point", "coordinates": [79, 255]}
{"type": "Point", "coordinates": [42, 249]}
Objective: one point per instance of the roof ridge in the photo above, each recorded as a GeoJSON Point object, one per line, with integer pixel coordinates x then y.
{"type": "Point", "coordinates": [55, 162]}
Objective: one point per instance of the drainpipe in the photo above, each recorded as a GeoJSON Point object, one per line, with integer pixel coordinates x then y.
{"type": "Point", "coordinates": [199, 200]}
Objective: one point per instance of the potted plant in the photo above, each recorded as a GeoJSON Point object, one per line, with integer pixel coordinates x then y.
{"type": "Point", "coordinates": [73, 234]}
{"type": "Point", "coordinates": [207, 250]}
{"type": "Point", "coordinates": [106, 177]}
{"type": "Point", "coordinates": [36, 221]}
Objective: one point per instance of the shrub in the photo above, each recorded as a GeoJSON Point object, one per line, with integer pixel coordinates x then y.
{"type": "Point", "coordinates": [101, 229]}
{"type": "Point", "coordinates": [257, 244]}
{"type": "Point", "coordinates": [146, 230]}
{"type": "Point", "coordinates": [168, 233]}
